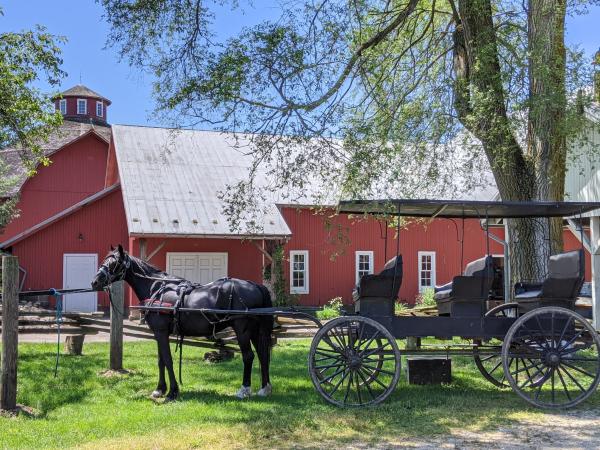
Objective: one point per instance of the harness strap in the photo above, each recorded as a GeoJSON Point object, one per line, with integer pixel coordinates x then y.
{"type": "Point", "coordinates": [59, 321]}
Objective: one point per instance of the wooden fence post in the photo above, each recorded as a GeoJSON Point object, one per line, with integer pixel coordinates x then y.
{"type": "Point", "coordinates": [10, 332]}
{"type": "Point", "coordinates": [116, 325]}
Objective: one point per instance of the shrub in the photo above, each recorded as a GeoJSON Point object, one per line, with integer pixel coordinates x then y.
{"type": "Point", "coordinates": [425, 298]}
{"type": "Point", "coordinates": [400, 307]}
{"type": "Point", "coordinates": [331, 310]}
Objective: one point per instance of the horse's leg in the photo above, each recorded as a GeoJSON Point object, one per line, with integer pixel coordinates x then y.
{"type": "Point", "coordinates": [161, 387]}
{"type": "Point", "coordinates": [262, 343]}
{"type": "Point", "coordinates": [243, 337]}
{"type": "Point", "coordinates": [165, 351]}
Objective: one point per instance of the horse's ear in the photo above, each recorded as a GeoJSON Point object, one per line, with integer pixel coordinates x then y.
{"type": "Point", "coordinates": [112, 249]}
{"type": "Point", "coordinates": [121, 251]}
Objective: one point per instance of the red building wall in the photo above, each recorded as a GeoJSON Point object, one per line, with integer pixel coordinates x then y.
{"type": "Point", "coordinates": [244, 260]}
{"type": "Point", "coordinates": [89, 230]}
{"type": "Point", "coordinates": [332, 260]}
{"type": "Point", "coordinates": [77, 171]}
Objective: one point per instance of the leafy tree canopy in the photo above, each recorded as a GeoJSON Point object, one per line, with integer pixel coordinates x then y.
{"type": "Point", "coordinates": [27, 115]}
{"type": "Point", "coordinates": [421, 92]}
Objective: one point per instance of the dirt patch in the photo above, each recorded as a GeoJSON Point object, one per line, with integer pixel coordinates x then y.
{"type": "Point", "coordinates": [27, 411]}
{"type": "Point", "coordinates": [115, 373]}
{"type": "Point", "coordinates": [568, 430]}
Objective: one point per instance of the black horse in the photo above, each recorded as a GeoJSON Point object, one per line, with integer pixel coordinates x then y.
{"type": "Point", "coordinates": [155, 287]}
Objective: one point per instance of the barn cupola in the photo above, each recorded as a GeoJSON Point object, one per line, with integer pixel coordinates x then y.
{"type": "Point", "coordinates": [81, 104]}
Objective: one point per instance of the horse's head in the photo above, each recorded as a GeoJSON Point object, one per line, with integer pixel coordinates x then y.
{"type": "Point", "coordinates": [113, 268]}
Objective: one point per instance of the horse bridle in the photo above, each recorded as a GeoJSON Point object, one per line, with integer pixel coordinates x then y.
{"type": "Point", "coordinates": [119, 273]}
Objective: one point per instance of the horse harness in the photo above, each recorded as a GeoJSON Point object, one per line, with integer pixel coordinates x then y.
{"type": "Point", "coordinates": [182, 290]}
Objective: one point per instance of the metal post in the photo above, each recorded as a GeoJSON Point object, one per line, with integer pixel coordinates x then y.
{"type": "Point", "coordinates": [595, 258]}
{"type": "Point", "coordinates": [116, 325]}
{"type": "Point", "coordinates": [10, 332]}
{"type": "Point", "coordinates": [507, 283]}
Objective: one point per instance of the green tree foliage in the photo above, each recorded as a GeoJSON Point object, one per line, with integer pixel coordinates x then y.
{"type": "Point", "coordinates": [384, 97]}
{"type": "Point", "coordinates": [27, 115]}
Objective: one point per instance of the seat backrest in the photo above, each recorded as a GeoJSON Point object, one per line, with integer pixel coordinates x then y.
{"type": "Point", "coordinates": [481, 267]}
{"type": "Point", "coordinates": [393, 265]}
{"type": "Point", "coordinates": [566, 273]}
{"type": "Point", "coordinates": [567, 265]}
{"type": "Point", "coordinates": [391, 268]}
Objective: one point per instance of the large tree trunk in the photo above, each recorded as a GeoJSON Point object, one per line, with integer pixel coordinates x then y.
{"type": "Point", "coordinates": [479, 100]}
{"type": "Point", "coordinates": [546, 137]}
{"type": "Point", "coordinates": [546, 133]}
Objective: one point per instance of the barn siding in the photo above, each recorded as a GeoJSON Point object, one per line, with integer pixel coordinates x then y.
{"type": "Point", "coordinates": [332, 266]}
{"type": "Point", "coordinates": [77, 171]}
{"type": "Point", "coordinates": [101, 224]}
{"type": "Point", "coordinates": [244, 260]}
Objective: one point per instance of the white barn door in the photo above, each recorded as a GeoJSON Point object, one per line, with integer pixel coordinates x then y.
{"type": "Point", "coordinates": [78, 271]}
{"type": "Point", "coordinates": [197, 267]}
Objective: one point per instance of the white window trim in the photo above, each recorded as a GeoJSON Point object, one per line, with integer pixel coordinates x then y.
{"type": "Point", "coordinates": [305, 289]}
{"type": "Point", "coordinates": [433, 270]}
{"type": "Point", "coordinates": [85, 103]}
{"type": "Point", "coordinates": [101, 105]}
{"type": "Point", "coordinates": [357, 256]}
{"type": "Point", "coordinates": [62, 106]}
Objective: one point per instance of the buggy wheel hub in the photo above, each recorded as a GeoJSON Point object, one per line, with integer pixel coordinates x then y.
{"type": "Point", "coordinates": [552, 359]}
{"type": "Point", "coordinates": [354, 361]}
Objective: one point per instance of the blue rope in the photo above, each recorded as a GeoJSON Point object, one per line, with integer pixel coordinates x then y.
{"type": "Point", "coordinates": [59, 320]}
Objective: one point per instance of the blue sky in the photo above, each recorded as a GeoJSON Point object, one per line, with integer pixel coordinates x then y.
{"type": "Point", "coordinates": [86, 59]}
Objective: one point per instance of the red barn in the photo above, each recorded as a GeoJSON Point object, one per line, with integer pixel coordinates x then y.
{"type": "Point", "coordinates": [156, 191]}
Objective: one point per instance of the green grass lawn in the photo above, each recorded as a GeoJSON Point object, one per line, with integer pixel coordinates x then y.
{"type": "Point", "coordinates": [83, 408]}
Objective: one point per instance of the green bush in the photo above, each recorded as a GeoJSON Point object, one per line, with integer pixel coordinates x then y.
{"type": "Point", "coordinates": [425, 298]}
{"type": "Point", "coordinates": [400, 307]}
{"type": "Point", "coordinates": [331, 310]}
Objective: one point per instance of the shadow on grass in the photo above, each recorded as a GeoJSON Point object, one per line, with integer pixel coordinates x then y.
{"type": "Point", "coordinates": [294, 411]}
{"type": "Point", "coordinates": [39, 388]}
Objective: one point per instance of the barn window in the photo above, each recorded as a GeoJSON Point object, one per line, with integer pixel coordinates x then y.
{"type": "Point", "coordinates": [364, 264]}
{"type": "Point", "coordinates": [426, 270]}
{"type": "Point", "coordinates": [99, 109]}
{"type": "Point", "coordinates": [81, 106]}
{"type": "Point", "coordinates": [62, 106]}
{"type": "Point", "coordinates": [299, 272]}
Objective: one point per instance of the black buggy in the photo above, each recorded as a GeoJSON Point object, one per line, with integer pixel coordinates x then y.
{"type": "Point", "coordinates": [531, 339]}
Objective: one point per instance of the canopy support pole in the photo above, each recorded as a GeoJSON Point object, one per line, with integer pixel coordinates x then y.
{"type": "Point", "coordinates": [507, 283]}
{"type": "Point", "coordinates": [595, 257]}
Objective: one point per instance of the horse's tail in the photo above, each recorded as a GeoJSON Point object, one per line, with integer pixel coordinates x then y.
{"type": "Point", "coordinates": [265, 322]}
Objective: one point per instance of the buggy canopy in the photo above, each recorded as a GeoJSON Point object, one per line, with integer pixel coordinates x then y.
{"type": "Point", "coordinates": [466, 208]}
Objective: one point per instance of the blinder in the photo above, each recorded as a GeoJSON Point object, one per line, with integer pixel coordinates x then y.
{"type": "Point", "coordinates": [119, 272]}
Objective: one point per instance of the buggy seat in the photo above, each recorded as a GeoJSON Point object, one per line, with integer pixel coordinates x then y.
{"type": "Point", "coordinates": [377, 293]}
{"type": "Point", "coordinates": [385, 284]}
{"type": "Point", "coordinates": [466, 295]}
{"type": "Point", "coordinates": [566, 273]}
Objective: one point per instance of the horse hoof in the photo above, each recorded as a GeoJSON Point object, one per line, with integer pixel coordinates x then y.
{"type": "Point", "coordinates": [157, 394]}
{"type": "Point", "coordinates": [265, 391]}
{"type": "Point", "coordinates": [244, 392]}
{"type": "Point", "coordinates": [171, 398]}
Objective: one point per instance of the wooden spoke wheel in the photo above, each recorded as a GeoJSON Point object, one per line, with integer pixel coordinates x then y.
{"type": "Point", "coordinates": [561, 351]}
{"type": "Point", "coordinates": [354, 361]}
{"type": "Point", "coordinates": [488, 356]}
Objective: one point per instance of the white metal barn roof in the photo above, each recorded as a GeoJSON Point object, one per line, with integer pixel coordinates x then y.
{"type": "Point", "coordinates": [171, 180]}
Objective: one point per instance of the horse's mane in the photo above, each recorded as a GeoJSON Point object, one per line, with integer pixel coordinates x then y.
{"type": "Point", "coordinates": [146, 267]}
